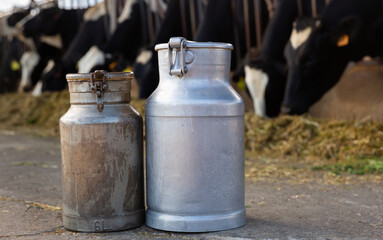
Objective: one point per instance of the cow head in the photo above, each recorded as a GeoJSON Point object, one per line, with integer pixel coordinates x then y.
{"type": "Point", "coordinates": [266, 83]}
{"type": "Point", "coordinates": [266, 79]}
{"type": "Point", "coordinates": [29, 61]}
{"type": "Point", "coordinates": [320, 63]}
{"type": "Point", "coordinates": [302, 29]}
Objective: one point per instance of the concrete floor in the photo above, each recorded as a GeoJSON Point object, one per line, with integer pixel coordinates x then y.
{"type": "Point", "coordinates": [30, 176]}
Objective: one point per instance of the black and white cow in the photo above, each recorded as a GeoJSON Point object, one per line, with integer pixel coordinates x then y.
{"type": "Point", "coordinates": [52, 30]}
{"type": "Point", "coordinates": [131, 35]}
{"type": "Point", "coordinates": [347, 33]}
{"type": "Point", "coordinates": [34, 62]}
{"type": "Point", "coordinates": [92, 32]}
{"type": "Point", "coordinates": [54, 21]}
{"type": "Point", "coordinates": [89, 28]}
{"type": "Point", "coordinates": [92, 38]}
{"type": "Point", "coordinates": [266, 77]}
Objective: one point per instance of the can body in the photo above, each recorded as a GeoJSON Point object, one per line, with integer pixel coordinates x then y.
{"type": "Point", "coordinates": [102, 162]}
{"type": "Point", "coordinates": [195, 144]}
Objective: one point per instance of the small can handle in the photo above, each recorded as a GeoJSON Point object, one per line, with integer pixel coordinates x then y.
{"type": "Point", "coordinates": [99, 86]}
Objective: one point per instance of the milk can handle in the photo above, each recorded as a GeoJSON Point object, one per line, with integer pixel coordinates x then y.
{"type": "Point", "coordinates": [177, 43]}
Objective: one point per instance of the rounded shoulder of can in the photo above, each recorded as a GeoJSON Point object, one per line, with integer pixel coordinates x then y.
{"type": "Point", "coordinates": [191, 44]}
{"type": "Point", "coordinates": [108, 76]}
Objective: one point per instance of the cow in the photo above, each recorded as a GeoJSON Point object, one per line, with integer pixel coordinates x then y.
{"type": "Point", "coordinates": [92, 37]}
{"type": "Point", "coordinates": [64, 32]}
{"type": "Point", "coordinates": [54, 21]}
{"type": "Point", "coordinates": [52, 30]}
{"type": "Point", "coordinates": [34, 62]}
{"type": "Point", "coordinates": [266, 77]}
{"type": "Point", "coordinates": [134, 31]}
{"type": "Point", "coordinates": [92, 32]}
{"type": "Point", "coordinates": [347, 32]}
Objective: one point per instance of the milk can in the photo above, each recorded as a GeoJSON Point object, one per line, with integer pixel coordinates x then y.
{"type": "Point", "coordinates": [194, 141]}
{"type": "Point", "coordinates": [102, 161]}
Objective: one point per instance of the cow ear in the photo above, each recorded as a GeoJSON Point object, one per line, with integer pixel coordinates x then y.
{"type": "Point", "coordinates": [343, 40]}
{"type": "Point", "coordinates": [346, 32]}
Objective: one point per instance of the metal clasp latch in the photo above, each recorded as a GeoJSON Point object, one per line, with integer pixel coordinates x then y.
{"type": "Point", "coordinates": [177, 43]}
{"type": "Point", "coordinates": [99, 86]}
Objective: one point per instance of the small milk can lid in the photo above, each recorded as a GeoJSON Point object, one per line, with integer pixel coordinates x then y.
{"type": "Point", "coordinates": [184, 48]}
{"type": "Point", "coordinates": [115, 81]}
{"type": "Point", "coordinates": [99, 86]}
{"type": "Point", "coordinates": [191, 44]}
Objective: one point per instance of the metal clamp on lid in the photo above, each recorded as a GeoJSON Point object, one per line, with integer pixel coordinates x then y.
{"type": "Point", "coordinates": [177, 43]}
{"type": "Point", "coordinates": [99, 86]}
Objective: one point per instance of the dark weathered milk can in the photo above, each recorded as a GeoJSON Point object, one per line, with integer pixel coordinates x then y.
{"type": "Point", "coordinates": [102, 165]}
{"type": "Point", "coordinates": [194, 141]}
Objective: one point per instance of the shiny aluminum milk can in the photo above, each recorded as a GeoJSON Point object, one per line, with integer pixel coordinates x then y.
{"type": "Point", "coordinates": [102, 155]}
{"type": "Point", "coordinates": [194, 141]}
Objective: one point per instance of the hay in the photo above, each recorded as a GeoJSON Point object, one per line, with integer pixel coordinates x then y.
{"type": "Point", "coordinates": [323, 144]}
{"type": "Point", "coordinates": [22, 111]}
{"type": "Point", "coordinates": [39, 115]}
{"type": "Point", "coordinates": [302, 136]}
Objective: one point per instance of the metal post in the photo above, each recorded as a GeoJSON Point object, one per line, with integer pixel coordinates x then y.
{"type": "Point", "coordinates": [112, 7]}
{"type": "Point", "coordinates": [314, 8]}
{"type": "Point", "coordinates": [258, 30]}
{"type": "Point", "coordinates": [247, 24]}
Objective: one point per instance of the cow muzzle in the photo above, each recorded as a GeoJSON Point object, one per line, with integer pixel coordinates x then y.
{"type": "Point", "coordinates": [286, 110]}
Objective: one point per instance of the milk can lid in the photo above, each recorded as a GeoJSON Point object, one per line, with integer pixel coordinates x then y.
{"type": "Point", "coordinates": [108, 76]}
{"type": "Point", "coordinates": [106, 81]}
{"type": "Point", "coordinates": [192, 44]}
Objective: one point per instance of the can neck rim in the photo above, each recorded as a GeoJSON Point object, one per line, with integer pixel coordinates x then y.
{"type": "Point", "coordinates": [110, 76]}
{"type": "Point", "coordinates": [191, 44]}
